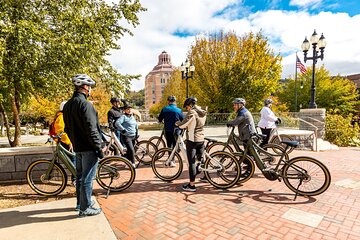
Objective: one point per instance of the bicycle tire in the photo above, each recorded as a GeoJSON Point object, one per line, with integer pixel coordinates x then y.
{"type": "Point", "coordinates": [292, 173]}
{"type": "Point", "coordinates": [247, 167]}
{"type": "Point", "coordinates": [284, 137]}
{"type": "Point", "coordinates": [231, 171]}
{"type": "Point", "coordinates": [35, 177]}
{"type": "Point", "coordinates": [158, 142]}
{"type": "Point", "coordinates": [144, 151]}
{"type": "Point", "coordinates": [166, 173]}
{"type": "Point", "coordinates": [118, 168]}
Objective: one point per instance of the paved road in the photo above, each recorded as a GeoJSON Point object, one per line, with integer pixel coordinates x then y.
{"type": "Point", "coordinates": [259, 209]}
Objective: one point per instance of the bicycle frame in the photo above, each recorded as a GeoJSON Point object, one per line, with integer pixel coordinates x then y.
{"type": "Point", "coordinates": [112, 139]}
{"type": "Point", "coordinates": [254, 149]}
{"type": "Point", "coordinates": [62, 154]}
{"type": "Point", "coordinates": [180, 144]}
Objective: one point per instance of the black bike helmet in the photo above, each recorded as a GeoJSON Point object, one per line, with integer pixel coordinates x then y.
{"type": "Point", "coordinates": [171, 98]}
{"type": "Point", "coordinates": [239, 100]}
{"type": "Point", "coordinates": [268, 101]}
{"type": "Point", "coordinates": [191, 101]}
{"type": "Point", "coordinates": [114, 99]}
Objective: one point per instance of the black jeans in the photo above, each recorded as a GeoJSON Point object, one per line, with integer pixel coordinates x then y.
{"type": "Point", "coordinates": [170, 139]}
{"type": "Point", "coordinates": [267, 132]}
{"type": "Point", "coordinates": [129, 143]}
{"type": "Point", "coordinates": [194, 149]}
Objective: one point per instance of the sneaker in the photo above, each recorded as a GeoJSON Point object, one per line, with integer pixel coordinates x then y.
{"type": "Point", "coordinates": [77, 208]}
{"type": "Point", "coordinates": [203, 179]}
{"type": "Point", "coordinates": [90, 212]}
{"type": "Point", "coordinates": [189, 188]}
{"type": "Point", "coordinates": [172, 164]}
{"type": "Point", "coordinates": [134, 165]}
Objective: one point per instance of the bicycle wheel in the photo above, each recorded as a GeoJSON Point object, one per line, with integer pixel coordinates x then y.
{"type": "Point", "coordinates": [247, 167]}
{"type": "Point", "coordinates": [111, 150]}
{"type": "Point", "coordinates": [115, 173]}
{"type": "Point", "coordinates": [275, 152]}
{"type": "Point", "coordinates": [158, 142]}
{"type": "Point", "coordinates": [52, 185]}
{"type": "Point", "coordinates": [219, 146]}
{"type": "Point", "coordinates": [164, 169]}
{"type": "Point", "coordinates": [226, 175]}
{"type": "Point", "coordinates": [306, 176]}
{"type": "Point", "coordinates": [144, 151]}
{"type": "Point", "coordinates": [283, 137]}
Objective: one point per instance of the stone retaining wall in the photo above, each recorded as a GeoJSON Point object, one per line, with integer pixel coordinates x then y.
{"type": "Point", "coordinates": [14, 161]}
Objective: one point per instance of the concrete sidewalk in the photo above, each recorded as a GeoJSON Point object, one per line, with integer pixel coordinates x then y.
{"type": "Point", "coordinates": [52, 220]}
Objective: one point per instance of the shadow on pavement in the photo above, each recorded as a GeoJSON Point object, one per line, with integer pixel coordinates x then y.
{"type": "Point", "coordinates": [156, 185]}
{"type": "Point", "coordinates": [15, 218]}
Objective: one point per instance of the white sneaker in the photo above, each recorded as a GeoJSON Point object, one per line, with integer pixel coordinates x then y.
{"type": "Point", "coordinates": [134, 165]}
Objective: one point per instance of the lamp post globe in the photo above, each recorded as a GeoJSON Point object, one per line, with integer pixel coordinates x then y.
{"type": "Point", "coordinates": [187, 71]}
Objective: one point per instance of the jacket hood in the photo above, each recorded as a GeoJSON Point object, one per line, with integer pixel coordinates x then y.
{"type": "Point", "coordinates": [199, 111]}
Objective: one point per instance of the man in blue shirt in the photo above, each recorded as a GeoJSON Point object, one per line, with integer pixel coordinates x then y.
{"type": "Point", "coordinates": [171, 114]}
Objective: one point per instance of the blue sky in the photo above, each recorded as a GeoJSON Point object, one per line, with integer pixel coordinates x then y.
{"type": "Point", "coordinates": [172, 25]}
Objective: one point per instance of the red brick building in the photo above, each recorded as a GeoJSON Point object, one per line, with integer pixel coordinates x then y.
{"type": "Point", "coordinates": [155, 80]}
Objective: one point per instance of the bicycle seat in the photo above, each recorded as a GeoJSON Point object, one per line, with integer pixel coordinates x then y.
{"type": "Point", "coordinates": [291, 143]}
{"type": "Point", "coordinates": [211, 140]}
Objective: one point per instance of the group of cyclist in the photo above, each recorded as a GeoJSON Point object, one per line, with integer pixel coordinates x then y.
{"type": "Point", "coordinates": [82, 127]}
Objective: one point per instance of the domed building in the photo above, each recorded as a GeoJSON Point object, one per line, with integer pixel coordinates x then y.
{"type": "Point", "coordinates": [156, 79]}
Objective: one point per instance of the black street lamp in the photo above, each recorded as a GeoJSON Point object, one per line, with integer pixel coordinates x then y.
{"type": "Point", "coordinates": [318, 44]}
{"type": "Point", "coordinates": [187, 71]}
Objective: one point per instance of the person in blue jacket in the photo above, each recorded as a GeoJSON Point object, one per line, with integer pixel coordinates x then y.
{"type": "Point", "coordinates": [129, 132]}
{"type": "Point", "coordinates": [170, 115]}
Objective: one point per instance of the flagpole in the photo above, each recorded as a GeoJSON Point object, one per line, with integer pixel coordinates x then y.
{"type": "Point", "coordinates": [296, 93]}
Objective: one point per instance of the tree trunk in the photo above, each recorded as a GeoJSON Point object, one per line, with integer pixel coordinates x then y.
{"type": "Point", "coordinates": [15, 106]}
{"type": "Point", "coordinates": [6, 123]}
{"type": "Point", "coordinates": [2, 131]}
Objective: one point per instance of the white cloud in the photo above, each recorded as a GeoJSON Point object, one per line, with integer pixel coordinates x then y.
{"type": "Point", "coordinates": [285, 29]}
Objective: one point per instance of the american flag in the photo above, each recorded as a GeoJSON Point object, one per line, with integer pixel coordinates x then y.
{"type": "Point", "coordinates": [300, 66]}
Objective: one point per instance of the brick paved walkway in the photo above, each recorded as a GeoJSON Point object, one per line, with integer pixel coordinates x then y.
{"type": "Point", "coordinates": [260, 209]}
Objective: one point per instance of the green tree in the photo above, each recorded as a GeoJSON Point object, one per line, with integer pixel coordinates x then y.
{"type": "Point", "coordinates": [228, 66]}
{"type": "Point", "coordinates": [43, 43]}
{"type": "Point", "coordinates": [333, 93]}
{"type": "Point", "coordinates": [137, 98]}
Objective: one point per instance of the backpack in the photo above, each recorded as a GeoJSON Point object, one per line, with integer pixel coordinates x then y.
{"type": "Point", "coordinates": [52, 129]}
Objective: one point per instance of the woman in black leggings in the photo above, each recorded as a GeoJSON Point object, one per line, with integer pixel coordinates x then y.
{"type": "Point", "coordinates": [194, 124]}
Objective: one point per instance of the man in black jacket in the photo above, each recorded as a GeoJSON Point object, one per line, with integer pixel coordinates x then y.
{"type": "Point", "coordinates": [114, 114]}
{"type": "Point", "coordinates": [82, 126]}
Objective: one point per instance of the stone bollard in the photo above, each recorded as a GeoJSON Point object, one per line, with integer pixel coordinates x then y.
{"type": "Point", "coordinates": [316, 117]}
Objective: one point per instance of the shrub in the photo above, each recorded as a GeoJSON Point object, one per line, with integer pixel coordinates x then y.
{"type": "Point", "coordinates": [340, 131]}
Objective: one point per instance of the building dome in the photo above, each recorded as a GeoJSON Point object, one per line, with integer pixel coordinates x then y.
{"type": "Point", "coordinates": [164, 62]}
{"type": "Point", "coordinates": [164, 58]}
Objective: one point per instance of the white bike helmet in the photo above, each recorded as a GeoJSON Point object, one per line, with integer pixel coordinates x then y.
{"type": "Point", "coordinates": [268, 101]}
{"type": "Point", "coordinates": [239, 100]}
{"type": "Point", "coordinates": [82, 79]}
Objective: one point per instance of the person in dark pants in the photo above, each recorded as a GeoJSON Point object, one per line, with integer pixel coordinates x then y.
{"type": "Point", "coordinates": [170, 115]}
{"type": "Point", "coordinates": [194, 124]}
{"type": "Point", "coordinates": [129, 132]}
{"type": "Point", "coordinates": [82, 126]}
{"type": "Point", "coordinates": [114, 114]}
{"type": "Point", "coordinates": [244, 120]}
{"type": "Point", "coordinates": [268, 121]}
